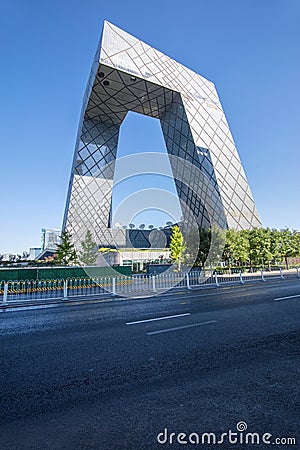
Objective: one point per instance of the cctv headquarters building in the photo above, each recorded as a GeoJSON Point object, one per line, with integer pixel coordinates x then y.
{"type": "Point", "coordinates": [129, 75]}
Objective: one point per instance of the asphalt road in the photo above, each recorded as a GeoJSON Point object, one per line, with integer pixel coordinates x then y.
{"type": "Point", "coordinates": [105, 375]}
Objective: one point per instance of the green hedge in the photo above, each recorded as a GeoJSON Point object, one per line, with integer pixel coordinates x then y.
{"type": "Point", "coordinates": [54, 273]}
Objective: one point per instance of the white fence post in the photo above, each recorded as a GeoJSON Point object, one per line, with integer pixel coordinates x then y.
{"type": "Point", "coordinates": [281, 274]}
{"type": "Point", "coordinates": [114, 287]}
{"type": "Point", "coordinates": [201, 277]}
{"type": "Point", "coordinates": [65, 297]}
{"type": "Point", "coordinates": [188, 281]}
{"type": "Point", "coordinates": [153, 284]}
{"type": "Point", "coordinates": [4, 301]}
{"type": "Point", "coordinates": [241, 278]}
{"type": "Point", "coordinates": [216, 279]}
{"type": "Point", "coordinates": [262, 275]}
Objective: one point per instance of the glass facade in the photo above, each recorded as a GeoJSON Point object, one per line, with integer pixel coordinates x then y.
{"type": "Point", "coordinates": [50, 237]}
{"type": "Point", "coordinates": [129, 75]}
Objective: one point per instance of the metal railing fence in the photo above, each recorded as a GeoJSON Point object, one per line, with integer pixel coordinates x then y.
{"type": "Point", "coordinates": [18, 291]}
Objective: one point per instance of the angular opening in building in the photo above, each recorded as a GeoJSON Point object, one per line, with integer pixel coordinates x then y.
{"type": "Point", "coordinates": [147, 199]}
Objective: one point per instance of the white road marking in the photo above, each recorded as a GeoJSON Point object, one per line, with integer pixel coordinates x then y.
{"type": "Point", "coordinates": [51, 305]}
{"type": "Point", "coordinates": [158, 318]}
{"type": "Point", "coordinates": [181, 328]}
{"type": "Point", "coordinates": [26, 308]}
{"type": "Point", "coordinates": [286, 298]}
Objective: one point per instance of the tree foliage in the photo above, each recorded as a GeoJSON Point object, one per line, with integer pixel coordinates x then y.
{"type": "Point", "coordinates": [285, 244]}
{"type": "Point", "coordinates": [199, 248]}
{"type": "Point", "coordinates": [177, 246]}
{"type": "Point", "coordinates": [65, 251]}
{"type": "Point", "coordinates": [237, 246]}
{"type": "Point", "coordinates": [261, 246]}
{"type": "Point", "coordinates": [191, 246]}
{"type": "Point", "coordinates": [88, 254]}
{"type": "Point", "coordinates": [257, 247]}
{"type": "Point", "coordinates": [204, 246]}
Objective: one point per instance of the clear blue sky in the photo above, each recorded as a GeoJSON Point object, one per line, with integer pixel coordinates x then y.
{"type": "Point", "coordinates": [249, 48]}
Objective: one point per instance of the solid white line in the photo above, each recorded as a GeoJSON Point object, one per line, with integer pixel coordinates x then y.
{"type": "Point", "coordinates": [198, 293]}
{"type": "Point", "coordinates": [158, 318]}
{"type": "Point", "coordinates": [26, 308]}
{"type": "Point", "coordinates": [181, 328]}
{"type": "Point", "coordinates": [286, 298]}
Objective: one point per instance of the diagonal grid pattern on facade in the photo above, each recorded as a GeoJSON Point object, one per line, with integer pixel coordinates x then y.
{"type": "Point", "coordinates": [128, 75]}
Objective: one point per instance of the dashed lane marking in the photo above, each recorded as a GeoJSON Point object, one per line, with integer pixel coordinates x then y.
{"type": "Point", "coordinates": [158, 318]}
{"type": "Point", "coordinates": [167, 330]}
{"type": "Point", "coordinates": [286, 298]}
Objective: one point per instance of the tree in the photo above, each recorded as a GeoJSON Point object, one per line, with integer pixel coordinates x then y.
{"type": "Point", "coordinates": [192, 242]}
{"type": "Point", "coordinates": [217, 240]}
{"type": "Point", "coordinates": [276, 245]}
{"type": "Point", "coordinates": [237, 246]}
{"type": "Point", "coordinates": [260, 246]}
{"type": "Point", "coordinates": [243, 246]}
{"type": "Point", "coordinates": [131, 226]}
{"type": "Point", "coordinates": [229, 246]}
{"type": "Point", "coordinates": [288, 243]}
{"type": "Point", "coordinates": [142, 226]}
{"type": "Point", "coordinates": [65, 251]}
{"type": "Point", "coordinates": [204, 245]}
{"type": "Point", "coordinates": [197, 246]}
{"type": "Point", "coordinates": [88, 255]}
{"type": "Point", "coordinates": [177, 246]}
